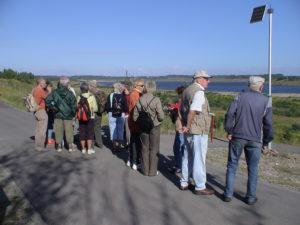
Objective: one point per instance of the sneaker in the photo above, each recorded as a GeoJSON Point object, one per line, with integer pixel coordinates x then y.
{"type": "Point", "coordinates": [184, 187]}
{"type": "Point", "coordinates": [128, 163]}
{"type": "Point", "coordinates": [83, 151]}
{"type": "Point", "coordinates": [59, 149]}
{"type": "Point", "coordinates": [90, 151]}
{"type": "Point", "coordinates": [226, 199]}
{"type": "Point", "coordinates": [205, 191]}
{"type": "Point", "coordinates": [251, 201]}
{"type": "Point", "coordinates": [50, 142]}
{"type": "Point", "coordinates": [134, 167]}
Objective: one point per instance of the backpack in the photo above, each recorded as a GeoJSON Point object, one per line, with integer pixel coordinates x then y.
{"type": "Point", "coordinates": [83, 110]}
{"type": "Point", "coordinates": [116, 107]}
{"type": "Point", "coordinates": [144, 119]}
{"type": "Point", "coordinates": [101, 100]}
{"type": "Point", "coordinates": [30, 103]}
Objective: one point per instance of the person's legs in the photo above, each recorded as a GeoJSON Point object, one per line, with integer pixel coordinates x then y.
{"type": "Point", "coordinates": [236, 147]}
{"type": "Point", "coordinates": [176, 150]}
{"type": "Point", "coordinates": [120, 123]}
{"type": "Point", "coordinates": [83, 135]}
{"type": "Point", "coordinates": [181, 149]}
{"type": "Point", "coordinates": [133, 147]}
{"type": "Point", "coordinates": [252, 153]}
{"type": "Point", "coordinates": [186, 161]}
{"type": "Point", "coordinates": [144, 137]}
{"type": "Point", "coordinates": [40, 129]}
{"type": "Point", "coordinates": [199, 167]}
{"type": "Point", "coordinates": [68, 127]}
{"type": "Point", "coordinates": [154, 139]}
{"type": "Point", "coordinates": [127, 132]}
{"type": "Point", "coordinates": [97, 131]}
{"type": "Point", "coordinates": [90, 135]}
{"type": "Point", "coordinates": [59, 131]}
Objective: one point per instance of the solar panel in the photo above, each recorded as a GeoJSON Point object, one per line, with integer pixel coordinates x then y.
{"type": "Point", "coordinates": [258, 14]}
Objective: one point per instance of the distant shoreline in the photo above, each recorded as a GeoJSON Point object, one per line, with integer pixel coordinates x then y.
{"type": "Point", "coordinates": [281, 95]}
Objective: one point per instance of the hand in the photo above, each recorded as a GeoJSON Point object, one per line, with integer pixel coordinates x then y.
{"type": "Point", "coordinates": [185, 130]}
{"type": "Point", "coordinates": [229, 137]}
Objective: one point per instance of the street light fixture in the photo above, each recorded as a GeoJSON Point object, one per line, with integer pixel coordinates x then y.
{"type": "Point", "coordinates": [257, 16]}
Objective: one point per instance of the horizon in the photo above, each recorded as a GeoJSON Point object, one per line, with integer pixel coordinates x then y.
{"type": "Point", "coordinates": [154, 38]}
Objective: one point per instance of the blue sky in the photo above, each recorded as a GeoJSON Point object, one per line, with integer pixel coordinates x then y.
{"type": "Point", "coordinates": [157, 37]}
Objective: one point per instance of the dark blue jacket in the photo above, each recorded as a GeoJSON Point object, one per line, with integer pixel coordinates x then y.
{"type": "Point", "coordinates": [249, 117]}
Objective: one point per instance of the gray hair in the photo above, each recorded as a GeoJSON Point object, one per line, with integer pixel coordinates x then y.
{"type": "Point", "coordinates": [84, 87]}
{"type": "Point", "coordinates": [150, 86]}
{"type": "Point", "coordinates": [118, 88]}
{"type": "Point", "coordinates": [64, 81]}
{"type": "Point", "coordinates": [255, 83]}
{"type": "Point", "coordinates": [93, 83]}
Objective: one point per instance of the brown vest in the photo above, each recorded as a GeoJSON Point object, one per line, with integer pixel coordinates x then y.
{"type": "Point", "coordinates": [202, 120]}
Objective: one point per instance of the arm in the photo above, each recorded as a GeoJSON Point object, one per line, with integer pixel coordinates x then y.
{"type": "Point", "coordinates": [159, 111]}
{"type": "Point", "coordinates": [136, 112]}
{"type": "Point", "coordinates": [196, 107]}
{"type": "Point", "coordinates": [190, 119]}
{"type": "Point", "coordinates": [230, 117]}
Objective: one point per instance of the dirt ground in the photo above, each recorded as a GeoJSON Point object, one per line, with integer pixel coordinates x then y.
{"type": "Point", "coordinates": [283, 169]}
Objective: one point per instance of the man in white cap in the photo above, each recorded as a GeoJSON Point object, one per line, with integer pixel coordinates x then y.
{"type": "Point", "coordinates": [248, 123]}
{"type": "Point", "coordinates": [196, 121]}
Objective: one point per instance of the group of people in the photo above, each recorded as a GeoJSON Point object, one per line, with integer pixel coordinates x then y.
{"type": "Point", "coordinates": [135, 117]}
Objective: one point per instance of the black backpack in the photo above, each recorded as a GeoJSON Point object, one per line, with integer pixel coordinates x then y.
{"type": "Point", "coordinates": [116, 107]}
{"type": "Point", "coordinates": [144, 119]}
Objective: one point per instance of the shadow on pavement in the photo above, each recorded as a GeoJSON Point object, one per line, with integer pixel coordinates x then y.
{"type": "Point", "coordinates": [4, 203]}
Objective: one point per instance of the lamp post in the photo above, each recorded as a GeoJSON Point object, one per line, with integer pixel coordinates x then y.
{"type": "Point", "coordinates": [257, 16]}
{"type": "Point", "coordinates": [270, 12]}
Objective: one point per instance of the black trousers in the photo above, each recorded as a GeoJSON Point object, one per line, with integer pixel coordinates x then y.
{"type": "Point", "coordinates": [134, 148]}
{"type": "Point", "coordinates": [150, 151]}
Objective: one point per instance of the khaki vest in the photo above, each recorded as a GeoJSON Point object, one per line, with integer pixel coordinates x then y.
{"type": "Point", "coordinates": [202, 120]}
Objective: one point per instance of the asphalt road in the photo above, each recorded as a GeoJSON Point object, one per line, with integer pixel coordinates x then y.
{"type": "Point", "coordinates": [72, 188]}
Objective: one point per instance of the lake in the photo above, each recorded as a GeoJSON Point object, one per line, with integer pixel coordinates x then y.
{"type": "Point", "coordinates": [221, 86]}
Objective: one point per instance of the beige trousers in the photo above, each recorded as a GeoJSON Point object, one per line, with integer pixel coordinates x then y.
{"type": "Point", "coordinates": [40, 129]}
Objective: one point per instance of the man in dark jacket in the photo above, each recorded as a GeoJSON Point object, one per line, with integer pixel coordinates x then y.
{"type": "Point", "coordinates": [63, 102]}
{"type": "Point", "coordinates": [248, 123]}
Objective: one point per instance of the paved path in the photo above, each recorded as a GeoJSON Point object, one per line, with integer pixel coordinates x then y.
{"type": "Point", "coordinates": [70, 189]}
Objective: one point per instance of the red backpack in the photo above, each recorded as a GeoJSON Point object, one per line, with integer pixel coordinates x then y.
{"type": "Point", "coordinates": [83, 110]}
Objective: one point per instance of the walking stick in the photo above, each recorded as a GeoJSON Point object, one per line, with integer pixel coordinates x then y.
{"type": "Point", "coordinates": [212, 127]}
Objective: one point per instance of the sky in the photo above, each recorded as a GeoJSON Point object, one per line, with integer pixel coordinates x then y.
{"type": "Point", "coordinates": [154, 37]}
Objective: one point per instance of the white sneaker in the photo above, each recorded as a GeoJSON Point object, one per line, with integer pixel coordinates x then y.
{"type": "Point", "coordinates": [83, 151]}
{"type": "Point", "coordinates": [128, 163]}
{"type": "Point", "coordinates": [59, 150]}
{"type": "Point", "coordinates": [134, 167]}
{"type": "Point", "coordinates": [90, 151]}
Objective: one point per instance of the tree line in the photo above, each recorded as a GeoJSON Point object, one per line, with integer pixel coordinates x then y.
{"type": "Point", "coordinates": [21, 76]}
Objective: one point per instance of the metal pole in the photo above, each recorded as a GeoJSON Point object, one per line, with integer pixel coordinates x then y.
{"type": "Point", "coordinates": [270, 12]}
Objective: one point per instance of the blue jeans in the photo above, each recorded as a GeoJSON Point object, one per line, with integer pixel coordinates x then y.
{"type": "Point", "coordinates": [252, 153]}
{"type": "Point", "coordinates": [178, 149]}
{"type": "Point", "coordinates": [116, 127]}
{"type": "Point", "coordinates": [193, 160]}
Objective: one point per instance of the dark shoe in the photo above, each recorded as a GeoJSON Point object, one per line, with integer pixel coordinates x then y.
{"type": "Point", "coordinates": [204, 192]}
{"type": "Point", "coordinates": [184, 188]}
{"type": "Point", "coordinates": [226, 199]}
{"type": "Point", "coordinates": [251, 201]}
